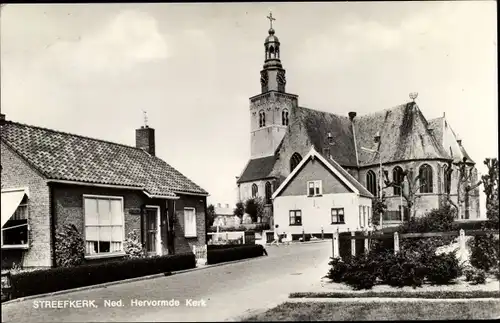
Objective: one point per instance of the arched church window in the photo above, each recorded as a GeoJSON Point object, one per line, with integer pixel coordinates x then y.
{"type": "Point", "coordinates": [255, 190]}
{"type": "Point", "coordinates": [284, 117]}
{"type": "Point", "coordinates": [447, 179]}
{"type": "Point", "coordinates": [269, 192]}
{"type": "Point", "coordinates": [371, 182]}
{"type": "Point", "coordinates": [262, 118]}
{"type": "Point", "coordinates": [397, 177]}
{"type": "Point", "coordinates": [425, 175]}
{"type": "Point", "coordinates": [294, 161]}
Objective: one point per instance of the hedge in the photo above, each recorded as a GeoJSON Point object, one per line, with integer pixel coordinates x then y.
{"type": "Point", "coordinates": [62, 278]}
{"type": "Point", "coordinates": [401, 294]}
{"type": "Point", "coordinates": [236, 252]}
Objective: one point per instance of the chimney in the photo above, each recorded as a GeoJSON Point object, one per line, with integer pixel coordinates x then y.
{"type": "Point", "coordinates": [145, 139]}
{"type": "Point", "coordinates": [352, 115]}
{"type": "Point", "coordinates": [2, 118]}
{"type": "Point", "coordinates": [377, 137]}
{"type": "Point", "coordinates": [459, 142]}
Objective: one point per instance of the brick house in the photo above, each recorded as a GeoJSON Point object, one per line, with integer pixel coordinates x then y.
{"type": "Point", "coordinates": [401, 138]}
{"type": "Point", "coordinates": [106, 190]}
{"type": "Point", "coordinates": [317, 184]}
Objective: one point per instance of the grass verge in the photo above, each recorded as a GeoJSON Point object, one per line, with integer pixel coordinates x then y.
{"type": "Point", "coordinates": [439, 310]}
{"type": "Point", "coordinates": [402, 294]}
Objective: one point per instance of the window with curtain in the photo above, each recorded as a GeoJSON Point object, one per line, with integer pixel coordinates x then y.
{"type": "Point", "coordinates": [104, 225]}
{"type": "Point", "coordinates": [371, 182]}
{"type": "Point", "coordinates": [425, 174]}
{"type": "Point", "coordinates": [337, 215]}
{"type": "Point", "coordinates": [314, 188]}
{"type": "Point", "coordinates": [189, 222]}
{"type": "Point", "coordinates": [15, 230]}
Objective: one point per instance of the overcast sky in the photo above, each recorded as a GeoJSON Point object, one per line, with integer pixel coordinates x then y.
{"type": "Point", "coordinates": [91, 69]}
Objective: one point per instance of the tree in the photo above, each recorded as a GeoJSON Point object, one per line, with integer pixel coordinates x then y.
{"type": "Point", "coordinates": [379, 206]}
{"type": "Point", "coordinates": [239, 210]}
{"type": "Point", "coordinates": [210, 216]}
{"type": "Point", "coordinates": [255, 208]}
{"type": "Point", "coordinates": [490, 181]}
{"type": "Point", "coordinates": [411, 182]}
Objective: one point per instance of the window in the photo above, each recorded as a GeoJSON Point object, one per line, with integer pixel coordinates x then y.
{"type": "Point", "coordinates": [397, 177]}
{"type": "Point", "coordinates": [189, 222]}
{"type": "Point", "coordinates": [314, 188]}
{"type": "Point", "coordinates": [104, 230]}
{"type": "Point", "coordinates": [296, 217]}
{"type": "Point", "coordinates": [15, 231]}
{"type": "Point", "coordinates": [369, 216]}
{"type": "Point", "coordinates": [447, 180]}
{"type": "Point", "coordinates": [262, 118]}
{"type": "Point", "coordinates": [294, 161]}
{"type": "Point", "coordinates": [269, 192]}
{"type": "Point", "coordinates": [360, 216]}
{"type": "Point", "coordinates": [371, 182]}
{"type": "Point", "coordinates": [284, 117]}
{"type": "Point", "coordinates": [255, 190]}
{"type": "Point", "coordinates": [338, 216]}
{"type": "Point", "coordinates": [425, 175]}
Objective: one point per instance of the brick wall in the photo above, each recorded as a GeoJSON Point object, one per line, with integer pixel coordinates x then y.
{"type": "Point", "coordinates": [16, 172]}
{"type": "Point", "coordinates": [181, 243]}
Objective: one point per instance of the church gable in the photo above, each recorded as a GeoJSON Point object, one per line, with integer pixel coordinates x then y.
{"type": "Point", "coordinates": [314, 170]}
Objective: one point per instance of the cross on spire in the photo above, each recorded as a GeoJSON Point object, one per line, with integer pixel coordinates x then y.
{"type": "Point", "coordinates": [270, 17]}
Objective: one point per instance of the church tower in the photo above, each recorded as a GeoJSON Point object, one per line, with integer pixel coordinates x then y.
{"type": "Point", "coordinates": [271, 111]}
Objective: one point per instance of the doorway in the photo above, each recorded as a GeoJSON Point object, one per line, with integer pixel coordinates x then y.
{"type": "Point", "coordinates": [153, 232]}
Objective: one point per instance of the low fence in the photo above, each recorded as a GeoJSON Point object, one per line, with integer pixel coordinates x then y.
{"type": "Point", "coordinates": [231, 237]}
{"type": "Point", "coordinates": [355, 243]}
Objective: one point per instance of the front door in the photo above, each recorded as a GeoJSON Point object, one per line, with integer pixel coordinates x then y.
{"type": "Point", "coordinates": [153, 236]}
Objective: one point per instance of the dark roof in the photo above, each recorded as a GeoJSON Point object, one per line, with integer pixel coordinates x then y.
{"type": "Point", "coordinates": [258, 168]}
{"type": "Point", "coordinates": [64, 156]}
{"type": "Point", "coordinates": [445, 135]}
{"type": "Point", "coordinates": [404, 136]}
{"type": "Point", "coordinates": [362, 190]}
{"type": "Point", "coordinates": [319, 123]}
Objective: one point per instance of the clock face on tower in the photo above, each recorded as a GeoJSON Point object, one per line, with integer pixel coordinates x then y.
{"type": "Point", "coordinates": [281, 78]}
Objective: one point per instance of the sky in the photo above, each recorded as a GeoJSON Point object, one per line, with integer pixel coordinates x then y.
{"type": "Point", "coordinates": [92, 69]}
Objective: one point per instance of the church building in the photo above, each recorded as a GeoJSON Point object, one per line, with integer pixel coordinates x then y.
{"type": "Point", "coordinates": [396, 141]}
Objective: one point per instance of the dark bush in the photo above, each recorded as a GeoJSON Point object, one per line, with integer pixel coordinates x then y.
{"type": "Point", "coordinates": [62, 278]}
{"type": "Point", "coordinates": [237, 252]}
{"type": "Point", "coordinates": [337, 270]}
{"type": "Point", "coordinates": [360, 272]}
{"type": "Point", "coordinates": [443, 268]}
{"type": "Point", "coordinates": [475, 276]}
{"type": "Point", "coordinates": [485, 252]}
{"type": "Point", "coordinates": [70, 247]}
{"type": "Point", "coordinates": [403, 269]}
{"type": "Point", "coordinates": [437, 220]}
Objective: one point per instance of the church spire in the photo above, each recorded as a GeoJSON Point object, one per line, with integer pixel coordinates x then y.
{"type": "Point", "coordinates": [273, 74]}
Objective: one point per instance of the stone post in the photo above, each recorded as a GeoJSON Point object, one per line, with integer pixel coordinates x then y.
{"type": "Point", "coordinates": [353, 244]}
{"type": "Point", "coordinates": [396, 242]}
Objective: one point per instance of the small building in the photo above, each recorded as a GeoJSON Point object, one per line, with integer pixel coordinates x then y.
{"type": "Point", "coordinates": [223, 215]}
{"type": "Point", "coordinates": [106, 190]}
{"type": "Point", "coordinates": [320, 195]}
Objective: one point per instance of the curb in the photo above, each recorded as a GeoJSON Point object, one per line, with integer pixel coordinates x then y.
{"type": "Point", "coordinates": [130, 280]}
{"type": "Point", "coordinates": [386, 300]}
{"type": "Point", "coordinates": [298, 242]}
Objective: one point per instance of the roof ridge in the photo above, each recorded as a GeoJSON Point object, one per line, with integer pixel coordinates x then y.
{"type": "Point", "coordinates": [75, 135]}
{"type": "Point", "coordinates": [371, 114]}
{"type": "Point", "coordinates": [322, 111]}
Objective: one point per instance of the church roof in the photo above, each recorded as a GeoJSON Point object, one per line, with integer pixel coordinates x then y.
{"type": "Point", "coordinates": [404, 135]}
{"type": "Point", "coordinates": [445, 135]}
{"type": "Point", "coordinates": [319, 123]}
{"type": "Point", "coordinates": [258, 168]}
{"type": "Point", "coordinates": [63, 156]}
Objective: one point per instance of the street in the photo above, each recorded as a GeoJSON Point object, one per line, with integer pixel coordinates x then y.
{"type": "Point", "coordinates": [211, 294]}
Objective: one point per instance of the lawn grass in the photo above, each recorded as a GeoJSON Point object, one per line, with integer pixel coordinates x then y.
{"type": "Point", "coordinates": [439, 310]}
{"type": "Point", "coordinates": [402, 294]}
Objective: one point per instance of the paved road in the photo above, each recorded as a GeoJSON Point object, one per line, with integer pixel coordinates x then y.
{"type": "Point", "coordinates": [226, 291]}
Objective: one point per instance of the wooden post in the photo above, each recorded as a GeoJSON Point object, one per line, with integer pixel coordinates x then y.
{"type": "Point", "coordinates": [322, 234]}
{"type": "Point", "coordinates": [353, 244]}
{"type": "Point", "coordinates": [461, 239]}
{"type": "Point", "coordinates": [335, 245]}
{"type": "Point", "coordinates": [366, 242]}
{"type": "Point", "coordinates": [243, 237]}
{"type": "Point", "coordinates": [396, 242]}
{"type": "Point", "coordinates": [303, 235]}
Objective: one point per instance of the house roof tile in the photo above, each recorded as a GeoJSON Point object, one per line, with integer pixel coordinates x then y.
{"type": "Point", "coordinates": [258, 168]}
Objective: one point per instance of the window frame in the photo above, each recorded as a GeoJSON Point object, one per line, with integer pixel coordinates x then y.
{"type": "Point", "coordinates": [295, 216]}
{"type": "Point", "coordinates": [3, 245]}
{"type": "Point", "coordinates": [189, 234]}
{"type": "Point", "coordinates": [375, 187]}
{"type": "Point", "coordinates": [268, 192]}
{"type": "Point", "coordinates": [428, 186]}
{"type": "Point", "coordinates": [317, 186]}
{"type": "Point", "coordinates": [397, 172]}
{"type": "Point", "coordinates": [256, 193]}
{"type": "Point", "coordinates": [85, 225]}
{"type": "Point", "coordinates": [337, 209]}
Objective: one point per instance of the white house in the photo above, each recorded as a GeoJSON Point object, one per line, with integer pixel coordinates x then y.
{"type": "Point", "coordinates": [319, 194]}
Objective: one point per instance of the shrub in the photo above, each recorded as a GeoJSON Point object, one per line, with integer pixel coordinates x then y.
{"type": "Point", "coordinates": [62, 278]}
{"type": "Point", "coordinates": [475, 276]}
{"type": "Point", "coordinates": [237, 252]}
{"type": "Point", "coordinates": [70, 247]}
{"type": "Point", "coordinates": [255, 208]}
{"type": "Point", "coordinates": [402, 269]}
{"type": "Point", "coordinates": [337, 270]}
{"type": "Point", "coordinates": [443, 268]}
{"type": "Point", "coordinates": [360, 272]}
{"type": "Point", "coordinates": [133, 246]}
{"type": "Point", "coordinates": [437, 220]}
{"type": "Point", "coordinates": [484, 252]}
